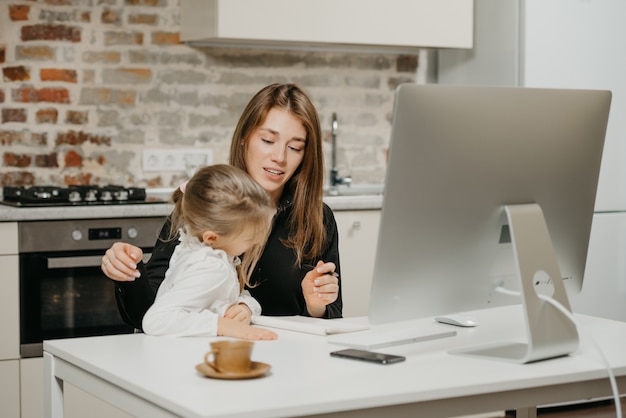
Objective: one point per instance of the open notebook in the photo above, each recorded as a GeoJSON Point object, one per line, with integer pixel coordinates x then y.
{"type": "Point", "coordinates": [310, 325]}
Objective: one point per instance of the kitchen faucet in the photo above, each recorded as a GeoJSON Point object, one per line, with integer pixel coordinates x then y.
{"type": "Point", "coordinates": [335, 180]}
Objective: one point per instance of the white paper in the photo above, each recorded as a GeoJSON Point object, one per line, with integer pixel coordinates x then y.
{"type": "Point", "coordinates": [310, 325]}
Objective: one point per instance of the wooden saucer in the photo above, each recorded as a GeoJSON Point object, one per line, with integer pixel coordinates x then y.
{"type": "Point", "coordinates": [257, 369]}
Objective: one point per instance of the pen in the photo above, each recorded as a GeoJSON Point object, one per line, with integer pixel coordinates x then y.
{"type": "Point", "coordinates": [311, 267]}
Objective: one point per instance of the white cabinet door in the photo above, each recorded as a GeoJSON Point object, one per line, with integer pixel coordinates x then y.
{"type": "Point", "coordinates": [358, 236]}
{"type": "Point", "coordinates": [604, 286]}
{"type": "Point", "coordinates": [9, 388]}
{"type": "Point", "coordinates": [325, 23]}
{"type": "Point", "coordinates": [31, 384]}
{"type": "Point", "coordinates": [10, 296]}
{"type": "Point", "coordinates": [77, 403]}
{"type": "Point", "coordinates": [80, 404]}
{"type": "Point", "coordinates": [9, 307]}
{"type": "Point", "coordinates": [8, 243]}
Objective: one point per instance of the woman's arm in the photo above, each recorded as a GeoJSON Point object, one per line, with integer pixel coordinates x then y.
{"type": "Point", "coordinates": [135, 297]}
{"type": "Point", "coordinates": [277, 278]}
{"type": "Point", "coordinates": [193, 299]}
{"type": "Point", "coordinates": [331, 255]}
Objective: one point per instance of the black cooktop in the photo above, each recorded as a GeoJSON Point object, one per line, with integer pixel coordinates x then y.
{"type": "Point", "coordinates": [45, 196]}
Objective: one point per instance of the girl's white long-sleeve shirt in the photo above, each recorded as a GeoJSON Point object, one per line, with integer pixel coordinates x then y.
{"type": "Point", "coordinates": [200, 285]}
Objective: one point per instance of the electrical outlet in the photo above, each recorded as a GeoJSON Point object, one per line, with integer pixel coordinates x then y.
{"type": "Point", "coordinates": [176, 159]}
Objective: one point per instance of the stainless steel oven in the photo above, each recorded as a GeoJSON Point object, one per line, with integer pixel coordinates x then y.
{"type": "Point", "coordinates": [63, 292]}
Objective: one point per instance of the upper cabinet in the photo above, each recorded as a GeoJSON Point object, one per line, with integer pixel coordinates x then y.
{"type": "Point", "coordinates": [367, 25]}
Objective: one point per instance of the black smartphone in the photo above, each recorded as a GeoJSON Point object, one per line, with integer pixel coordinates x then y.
{"type": "Point", "coordinates": [381, 358]}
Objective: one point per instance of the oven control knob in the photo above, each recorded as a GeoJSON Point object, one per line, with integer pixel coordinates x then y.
{"type": "Point", "coordinates": [132, 232]}
{"type": "Point", "coordinates": [77, 235]}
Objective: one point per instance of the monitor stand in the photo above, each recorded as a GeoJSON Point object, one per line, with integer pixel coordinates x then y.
{"type": "Point", "coordinates": [550, 333]}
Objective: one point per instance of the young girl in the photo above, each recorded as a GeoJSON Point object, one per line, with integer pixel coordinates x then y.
{"type": "Point", "coordinates": [218, 215]}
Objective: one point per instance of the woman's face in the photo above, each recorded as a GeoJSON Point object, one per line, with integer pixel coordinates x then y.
{"type": "Point", "coordinates": [275, 151]}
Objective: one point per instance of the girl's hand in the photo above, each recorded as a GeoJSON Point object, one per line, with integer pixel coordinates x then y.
{"type": "Point", "coordinates": [320, 287]}
{"type": "Point", "coordinates": [227, 327]}
{"type": "Point", "coordinates": [120, 262]}
{"type": "Point", "coordinates": [239, 312]}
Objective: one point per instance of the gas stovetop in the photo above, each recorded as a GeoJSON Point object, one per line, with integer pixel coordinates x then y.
{"type": "Point", "coordinates": [44, 196]}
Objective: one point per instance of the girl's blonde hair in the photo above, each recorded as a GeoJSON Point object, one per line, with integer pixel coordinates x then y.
{"type": "Point", "coordinates": [226, 200]}
{"type": "Point", "coordinates": [307, 235]}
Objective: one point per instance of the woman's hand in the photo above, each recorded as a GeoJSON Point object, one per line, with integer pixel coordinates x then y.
{"type": "Point", "coordinates": [320, 287]}
{"type": "Point", "coordinates": [239, 312]}
{"type": "Point", "coordinates": [120, 262]}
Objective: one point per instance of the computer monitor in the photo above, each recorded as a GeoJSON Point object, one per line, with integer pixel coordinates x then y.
{"type": "Point", "coordinates": [459, 157]}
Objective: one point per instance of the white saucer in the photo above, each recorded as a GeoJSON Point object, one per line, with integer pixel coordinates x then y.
{"type": "Point", "coordinates": [257, 369]}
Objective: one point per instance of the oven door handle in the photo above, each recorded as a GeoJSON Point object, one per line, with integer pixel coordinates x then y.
{"type": "Point", "coordinates": [81, 261]}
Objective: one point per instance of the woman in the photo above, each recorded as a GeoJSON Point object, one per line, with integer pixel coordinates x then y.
{"type": "Point", "coordinates": [278, 142]}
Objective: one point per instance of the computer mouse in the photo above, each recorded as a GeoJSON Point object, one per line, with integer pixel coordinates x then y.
{"type": "Point", "coordinates": [457, 320]}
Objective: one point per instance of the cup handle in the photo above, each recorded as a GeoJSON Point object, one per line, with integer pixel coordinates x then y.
{"type": "Point", "coordinates": [211, 364]}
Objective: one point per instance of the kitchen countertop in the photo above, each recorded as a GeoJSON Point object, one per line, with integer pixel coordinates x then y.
{"type": "Point", "coordinates": [10, 213]}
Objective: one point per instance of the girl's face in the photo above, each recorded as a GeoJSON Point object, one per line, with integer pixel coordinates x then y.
{"type": "Point", "coordinates": [237, 244]}
{"type": "Point", "coordinates": [275, 151]}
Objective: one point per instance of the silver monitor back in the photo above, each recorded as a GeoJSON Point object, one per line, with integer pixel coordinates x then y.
{"type": "Point", "coordinates": [458, 154]}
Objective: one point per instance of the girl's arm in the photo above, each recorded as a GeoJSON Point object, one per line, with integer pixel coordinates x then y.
{"type": "Point", "coordinates": [250, 302]}
{"type": "Point", "coordinates": [186, 307]}
{"type": "Point", "coordinates": [232, 328]}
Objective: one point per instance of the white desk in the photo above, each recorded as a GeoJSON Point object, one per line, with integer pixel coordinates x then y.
{"type": "Point", "coordinates": [155, 376]}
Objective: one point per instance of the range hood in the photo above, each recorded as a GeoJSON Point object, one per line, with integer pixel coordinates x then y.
{"type": "Point", "coordinates": [393, 26]}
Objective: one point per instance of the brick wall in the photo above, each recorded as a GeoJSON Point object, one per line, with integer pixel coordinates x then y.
{"type": "Point", "coordinates": [87, 85]}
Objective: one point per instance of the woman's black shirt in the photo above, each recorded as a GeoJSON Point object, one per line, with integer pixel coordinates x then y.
{"type": "Point", "coordinates": [276, 277]}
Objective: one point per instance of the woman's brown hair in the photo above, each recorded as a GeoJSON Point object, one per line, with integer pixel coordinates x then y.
{"type": "Point", "coordinates": [307, 233]}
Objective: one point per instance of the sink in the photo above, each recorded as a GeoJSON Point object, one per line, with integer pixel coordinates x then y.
{"type": "Point", "coordinates": [354, 190]}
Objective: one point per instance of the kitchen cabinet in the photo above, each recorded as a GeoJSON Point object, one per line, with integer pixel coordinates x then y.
{"type": "Point", "coordinates": [8, 243]}
{"type": "Point", "coordinates": [9, 388]}
{"type": "Point", "coordinates": [31, 387]}
{"type": "Point", "coordinates": [604, 287]}
{"type": "Point", "coordinates": [391, 25]}
{"type": "Point", "coordinates": [358, 236]}
{"type": "Point", "coordinates": [9, 297]}
{"type": "Point", "coordinates": [78, 404]}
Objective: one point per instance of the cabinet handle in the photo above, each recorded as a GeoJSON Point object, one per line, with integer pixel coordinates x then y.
{"type": "Point", "coordinates": [356, 225]}
{"type": "Point", "coordinates": [81, 261]}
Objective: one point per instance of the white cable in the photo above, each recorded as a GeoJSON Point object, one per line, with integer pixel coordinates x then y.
{"type": "Point", "coordinates": [568, 314]}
